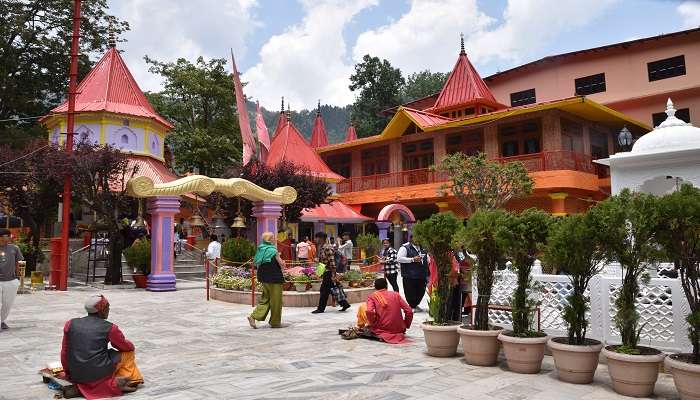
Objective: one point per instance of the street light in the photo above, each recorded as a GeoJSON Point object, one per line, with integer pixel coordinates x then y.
{"type": "Point", "coordinates": [624, 138]}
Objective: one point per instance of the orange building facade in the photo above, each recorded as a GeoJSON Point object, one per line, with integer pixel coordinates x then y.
{"type": "Point", "coordinates": [556, 140]}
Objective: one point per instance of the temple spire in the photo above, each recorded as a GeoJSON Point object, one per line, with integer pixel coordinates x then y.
{"type": "Point", "coordinates": [282, 109]}
{"type": "Point", "coordinates": [112, 36]}
{"type": "Point", "coordinates": [461, 40]}
{"type": "Point", "coordinates": [318, 108]}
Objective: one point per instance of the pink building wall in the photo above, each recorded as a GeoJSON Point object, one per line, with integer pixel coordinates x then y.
{"type": "Point", "coordinates": [626, 76]}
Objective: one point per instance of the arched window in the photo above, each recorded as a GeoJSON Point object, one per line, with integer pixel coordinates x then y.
{"type": "Point", "coordinates": [125, 139]}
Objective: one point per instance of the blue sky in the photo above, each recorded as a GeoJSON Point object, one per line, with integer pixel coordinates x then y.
{"type": "Point", "coordinates": [305, 49]}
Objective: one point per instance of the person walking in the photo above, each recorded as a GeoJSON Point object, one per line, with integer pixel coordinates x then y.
{"type": "Point", "coordinates": [10, 257]}
{"type": "Point", "coordinates": [345, 250]}
{"type": "Point", "coordinates": [326, 256]}
{"type": "Point", "coordinates": [269, 266]}
{"type": "Point", "coordinates": [303, 249]}
{"type": "Point", "coordinates": [391, 267]}
{"type": "Point", "coordinates": [414, 272]}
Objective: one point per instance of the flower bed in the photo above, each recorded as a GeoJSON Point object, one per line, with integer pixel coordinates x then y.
{"type": "Point", "coordinates": [240, 278]}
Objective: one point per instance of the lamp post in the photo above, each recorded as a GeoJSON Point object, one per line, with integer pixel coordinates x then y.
{"type": "Point", "coordinates": [624, 138]}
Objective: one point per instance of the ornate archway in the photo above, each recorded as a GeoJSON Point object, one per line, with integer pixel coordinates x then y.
{"type": "Point", "coordinates": [384, 222]}
{"type": "Point", "coordinates": [164, 203]}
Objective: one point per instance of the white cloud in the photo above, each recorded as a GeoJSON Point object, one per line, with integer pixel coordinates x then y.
{"type": "Point", "coordinates": [308, 61]}
{"type": "Point", "coordinates": [690, 12]}
{"type": "Point", "coordinates": [427, 35]}
{"type": "Point", "coordinates": [166, 30]}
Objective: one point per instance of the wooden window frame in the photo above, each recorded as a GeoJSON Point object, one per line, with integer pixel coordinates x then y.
{"type": "Point", "coordinates": [666, 68]}
{"type": "Point", "coordinates": [586, 85]}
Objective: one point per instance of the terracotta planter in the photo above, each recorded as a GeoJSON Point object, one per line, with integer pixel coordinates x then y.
{"type": "Point", "coordinates": [575, 364]}
{"type": "Point", "coordinates": [140, 280]}
{"type": "Point", "coordinates": [480, 347]}
{"type": "Point", "coordinates": [442, 340]}
{"type": "Point", "coordinates": [524, 355]}
{"type": "Point", "coordinates": [633, 375]}
{"type": "Point", "coordinates": [686, 376]}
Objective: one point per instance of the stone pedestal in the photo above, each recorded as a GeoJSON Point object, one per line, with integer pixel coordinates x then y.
{"type": "Point", "coordinates": [267, 214]}
{"type": "Point", "coordinates": [162, 210]}
{"type": "Point", "coordinates": [383, 229]}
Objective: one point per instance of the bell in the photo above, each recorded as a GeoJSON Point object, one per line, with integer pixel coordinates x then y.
{"type": "Point", "coordinates": [196, 221]}
{"type": "Point", "coordinates": [218, 222]}
{"type": "Point", "coordinates": [139, 223]}
{"type": "Point", "coordinates": [404, 228]}
{"type": "Point", "coordinates": [238, 222]}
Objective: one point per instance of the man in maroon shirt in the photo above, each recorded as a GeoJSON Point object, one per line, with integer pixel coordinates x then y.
{"type": "Point", "coordinates": [98, 371]}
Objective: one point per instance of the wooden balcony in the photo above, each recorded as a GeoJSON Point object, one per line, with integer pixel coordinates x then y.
{"type": "Point", "coordinates": [544, 161]}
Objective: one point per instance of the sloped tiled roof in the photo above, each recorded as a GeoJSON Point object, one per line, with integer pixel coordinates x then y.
{"type": "Point", "coordinates": [351, 135]}
{"type": "Point", "coordinates": [425, 119]}
{"type": "Point", "coordinates": [463, 86]}
{"type": "Point", "coordinates": [110, 87]}
{"type": "Point", "coordinates": [334, 212]}
{"type": "Point", "coordinates": [319, 138]}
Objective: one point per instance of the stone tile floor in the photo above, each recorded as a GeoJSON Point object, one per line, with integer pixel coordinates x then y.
{"type": "Point", "coordinates": [188, 348]}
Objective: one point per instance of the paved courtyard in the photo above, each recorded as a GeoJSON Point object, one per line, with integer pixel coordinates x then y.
{"type": "Point", "coordinates": [188, 348]}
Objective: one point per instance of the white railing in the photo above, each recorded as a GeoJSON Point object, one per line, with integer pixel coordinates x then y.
{"type": "Point", "coordinates": [662, 306]}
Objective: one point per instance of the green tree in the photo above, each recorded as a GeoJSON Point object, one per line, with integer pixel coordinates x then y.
{"type": "Point", "coordinates": [35, 40]}
{"type": "Point", "coordinates": [198, 99]}
{"type": "Point", "coordinates": [483, 237]}
{"type": "Point", "coordinates": [436, 233]}
{"type": "Point", "coordinates": [679, 236]}
{"type": "Point", "coordinates": [574, 247]}
{"type": "Point", "coordinates": [525, 237]}
{"type": "Point", "coordinates": [379, 85]}
{"type": "Point", "coordinates": [482, 184]}
{"type": "Point", "coordinates": [628, 232]}
{"type": "Point", "coordinates": [422, 84]}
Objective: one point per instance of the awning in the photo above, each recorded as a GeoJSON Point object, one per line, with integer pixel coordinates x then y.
{"type": "Point", "coordinates": [334, 212]}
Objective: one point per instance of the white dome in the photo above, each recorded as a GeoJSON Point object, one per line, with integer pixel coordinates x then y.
{"type": "Point", "coordinates": [671, 135]}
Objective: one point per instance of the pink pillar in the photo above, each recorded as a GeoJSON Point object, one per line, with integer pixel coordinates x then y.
{"type": "Point", "coordinates": [162, 210]}
{"type": "Point", "coordinates": [267, 214]}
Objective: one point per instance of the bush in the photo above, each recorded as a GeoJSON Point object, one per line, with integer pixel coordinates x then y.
{"type": "Point", "coordinates": [139, 256]}
{"type": "Point", "coordinates": [436, 234]}
{"type": "Point", "coordinates": [369, 242]}
{"type": "Point", "coordinates": [238, 250]}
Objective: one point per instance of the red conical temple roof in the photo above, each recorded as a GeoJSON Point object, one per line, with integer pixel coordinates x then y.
{"type": "Point", "coordinates": [319, 138]}
{"type": "Point", "coordinates": [464, 86]}
{"type": "Point", "coordinates": [289, 145]}
{"type": "Point", "coordinates": [351, 135]}
{"type": "Point", "coordinates": [110, 87]}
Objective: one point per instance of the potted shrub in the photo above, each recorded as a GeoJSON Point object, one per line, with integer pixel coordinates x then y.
{"type": "Point", "coordinates": [628, 231]}
{"type": "Point", "coordinates": [300, 282]}
{"type": "Point", "coordinates": [237, 250]}
{"type": "Point", "coordinates": [573, 247]}
{"type": "Point", "coordinates": [482, 237]}
{"type": "Point", "coordinates": [679, 237]}
{"type": "Point", "coordinates": [369, 245]}
{"type": "Point", "coordinates": [354, 277]}
{"type": "Point", "coordinates": [435, 235]}
{"type": "Point", "coordinates": [525, 237]}
{"type": "Point", "coordinates": [138, 257]}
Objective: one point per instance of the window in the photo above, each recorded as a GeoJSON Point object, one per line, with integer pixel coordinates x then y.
{"type": "Point", "coordinates": [418, 155]}
{"type": "Point", "coordinates": [469, 111]}
{"type": "Point", "coordinates": [520, 138]}
{"type": "Point", "coordinates": [522, 98]}
{"type": "Point", "coordinates": [469, 143]}
{"type": "Point", "coordinates": [341, 164]}
{"type": "Point", "coordinates": [667, 68]}
{"type": "Point", "coordinates": [375, 161]}
{"type": "Point", "coordinates": [571, 136]}
{"type": "Point", "coordinates": [599, 144]}
{"type": "Point", "coordinates": [682, 114]}
{"type": "Point", "coordinates": [590, 84]}
{"type": "Point", "coordinates": [125, 139]}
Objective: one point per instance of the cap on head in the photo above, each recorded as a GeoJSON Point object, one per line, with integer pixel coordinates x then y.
{"type": "Point", "coordinates": [96, 303]}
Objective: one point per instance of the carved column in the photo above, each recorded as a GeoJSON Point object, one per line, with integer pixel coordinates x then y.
{"type": "Point", "coordinates": [162, 210]}
{"type": "Point", "coordinates": [558, 204]}
{"type": "Point", "coordinates": [267, 214]}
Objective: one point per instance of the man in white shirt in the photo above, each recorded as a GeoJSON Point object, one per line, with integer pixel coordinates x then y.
{"type": "Point", "coordinates": [414, 272]}
{"type": "Point", "coordinates": [303, 248]}
{"type": "Point", "coordinates": [345, 251]}
{"type": "Point", "coordinates": [214, 251]}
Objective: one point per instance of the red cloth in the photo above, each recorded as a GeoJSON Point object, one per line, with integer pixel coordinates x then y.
{"type": "Point", "coordinates": [107, 386]}
{"type": "Point", "coordinates": [434, 279]}
{"type": "Point", "coordinates": [385, 318]}
{"type": "Point", "coordinates": [285, 249]}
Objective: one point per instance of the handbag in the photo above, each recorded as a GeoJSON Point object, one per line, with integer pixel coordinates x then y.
{"type": "Point", "coordinates": [338, 293]}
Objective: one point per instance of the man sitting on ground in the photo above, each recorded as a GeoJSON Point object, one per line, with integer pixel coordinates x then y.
{"type": "Point", "coordinates": [381, 316]}
{"type": "Point", "coordinates": [98, 371]}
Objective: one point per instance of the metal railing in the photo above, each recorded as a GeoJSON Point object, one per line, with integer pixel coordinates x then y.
{"type": "Point", "coordinates": [557, 160]}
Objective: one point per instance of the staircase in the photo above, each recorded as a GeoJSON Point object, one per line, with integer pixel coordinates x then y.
{"type": "Point", "coordinates": [189, 264]}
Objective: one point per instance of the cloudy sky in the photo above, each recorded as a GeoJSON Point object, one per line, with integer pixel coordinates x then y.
{"type": "Point", "coordinates": [305, 49]}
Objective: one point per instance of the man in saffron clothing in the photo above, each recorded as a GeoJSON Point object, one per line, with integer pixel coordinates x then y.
{"type": "Point", "coordinates": [382, 314]}
{"type": "Point", "coordinates": [97, 371]}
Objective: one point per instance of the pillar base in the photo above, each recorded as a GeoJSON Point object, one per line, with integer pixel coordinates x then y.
{"type": "Point", "coordinates": [161, 283]}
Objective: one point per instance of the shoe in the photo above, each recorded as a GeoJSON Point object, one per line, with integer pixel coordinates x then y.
{"type": "Point", "coordinates": [317, 311]}
{"type": "Point", "coordinates": [345, 307]}
{"type": "Point", "coordinates": [4, 326]}
{"type": "Point", "coordinates": [251, 322]}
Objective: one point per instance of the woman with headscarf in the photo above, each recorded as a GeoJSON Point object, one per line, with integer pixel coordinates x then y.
{"type": "Point", "coordinates": [269, 266]}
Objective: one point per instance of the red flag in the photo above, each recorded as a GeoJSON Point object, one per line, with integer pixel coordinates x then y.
{"type": "Point", "coordinates": [263, 136]}
{"type": "Point", "coordinates": [246, 132]}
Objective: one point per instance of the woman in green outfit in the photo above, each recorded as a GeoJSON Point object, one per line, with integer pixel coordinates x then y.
{"type": "Point", "coordinates": [269, 266]}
